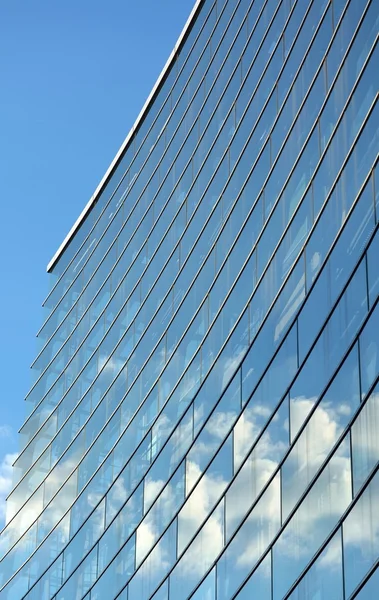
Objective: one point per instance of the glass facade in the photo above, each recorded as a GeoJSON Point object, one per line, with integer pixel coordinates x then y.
{"type": "Point", "coordinates": [204, 417]}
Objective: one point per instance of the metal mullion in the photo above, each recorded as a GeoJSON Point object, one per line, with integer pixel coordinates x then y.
{"type": "Point", "coordinates": [215, 110]}
{"type": "Point", "coordinates": [341, 527]}
{"type": "Point", "coordinates": [321, 395]}
{"type": "Point", "coordinates": [323, 546]}
{"type": "Point", "coordinates": [216, 76]}
{"type": "Point", "coordinates": [296, 507]}
{"type": "Point", "coordinates": [330, 454]}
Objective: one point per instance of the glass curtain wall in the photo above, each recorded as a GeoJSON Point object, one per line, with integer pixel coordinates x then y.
{"type": "Point", "coordinates": [204, 416]}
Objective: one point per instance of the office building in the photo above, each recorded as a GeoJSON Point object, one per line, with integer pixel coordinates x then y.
{"type": "Point", "coordinates": [204, 421]}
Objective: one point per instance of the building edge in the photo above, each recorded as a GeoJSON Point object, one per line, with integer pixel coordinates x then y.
{"type": "Point", "coordinates": [53, 261]}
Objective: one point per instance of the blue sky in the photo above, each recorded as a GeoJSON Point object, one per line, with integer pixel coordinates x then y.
{"type": "Point", "coordinates": [74, 76]}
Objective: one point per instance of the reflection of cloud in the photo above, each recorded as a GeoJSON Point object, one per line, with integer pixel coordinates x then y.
{"type": "Point", "coordinates": [230, 367]}
{"type": "Point", "coordinates": [153, 523]}
{"type": "Point", "coordinates": [264, 520]}
{"type": "Point", "coordinates": [219, 424]}
{"type": "Point", "coordinates": [248, 427]}
{"type": "Point", "coordinates": [5, 479]}
{"type": "Point", "coordinates": [116, 497]}
{"type": "Point", "coordinates": [206, 546]}
{"type": "Point", "coordinates": [300, 409]}
{"type": "Point", "coordinates": [152, 489]}
{"type": "Point", "coordinates": [321, 508]}
{"type": "Point", "coordinates": [331, 558]}
{"type": "Point", "coordinates": [366, 439]}
{"type": "Point", "coordinates": [312, 448]}
{"type": "Point", "coordinates": [260, 464]}
{"type": "Point", "coordinates": [145, 541]}
{"type": "Point", "coordinates": [199, 504]}
{"type": "Point", "coordinates": [361, 527]}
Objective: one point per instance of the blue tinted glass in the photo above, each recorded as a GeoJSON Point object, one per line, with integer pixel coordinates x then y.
{"type": "Point", "coordinates": [360, 545]}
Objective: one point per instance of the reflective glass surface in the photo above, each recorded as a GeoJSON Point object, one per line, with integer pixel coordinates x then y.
{"type": "Point", "coordinates": [204, 419]}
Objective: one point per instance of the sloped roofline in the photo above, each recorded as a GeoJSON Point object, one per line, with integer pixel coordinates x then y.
{"type": "Point", "coordinates": [125, 143]}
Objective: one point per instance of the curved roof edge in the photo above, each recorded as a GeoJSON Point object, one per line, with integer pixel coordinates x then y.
{"type": "Point", "coordinates": [113, 164]}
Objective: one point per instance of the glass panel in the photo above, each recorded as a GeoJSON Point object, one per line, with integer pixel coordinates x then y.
{"type": "Point", "coordinates": [258, 468]}
{"type": "Point", "coordinates": [199, 556]}
{"type": "Point", "coordinates": [328, 350]}
{"type": "Point", "coordinates": [214, 432]}
{"type": "Point", "coordinates": [258, 586]}
{"type": "Point", "coordinates": [120, 530]}
{"type": "Point", "coordinates": [324, 580]}
{"type": "Point", "coordinates": [162, 593]}
{"type": "Point", "coordinates": [117, 574]}
{"type": "Point", "coordinates": [360, 536]}
{"type": "Point", "coordinates": [160, 514]}
{"type": "Point", "coordinates": [370, 589]}
{"type": "Point", "coordinates": [207, 590]}
{"type": "Point", "coordinates": [321, 433]}
{"type": "Point", "coordinates": [369, 351]}
{"type": "Point", "coordinates": [81, 580]}
{"type": "Point", "coordinates": [373, 269]}
{"type": "Point", "coordinates": [205, 495]}
{"type": "Point", "coordinates": [155, 567]}
{"type": "Point", "coordinates": [312, 522]}
{"type": "Point", "coordinates": [250, 542]}
{"type": "Point", "coordinates": [365, 440]}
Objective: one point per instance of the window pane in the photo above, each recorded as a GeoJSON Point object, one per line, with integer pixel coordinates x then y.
{"type": "Point", "coordinates": [360, 536]}
{"type": "Point", "coordinates": [324, 579]}
{"type": "Point", "coordinates": [258, 587]}
{"type": "Point", "coordinates": [365, 440]}
{"type": "Point", "coordinates": [205, 495]}
{"type": "Point", "coordinates": [199, 556]}
{"type": "Point", "coordinates": [369, 350]}
{"type": "Point", "coordinates": [370, 589]}
{"type": "Point", "coordinates": [373, 269]}
{"type": "Point", "coordinates": [155, 567]}
{"type": "Point", "coordinates": [312, 522]}
{"type": "Point", "coordinates": [258, 469]}
{"type": "Point", "coordinates": [207, 590]}
{"type": "Point", "coordinates": [250, 542]}
{"type": "Point", "coordinates": [321, 433]}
